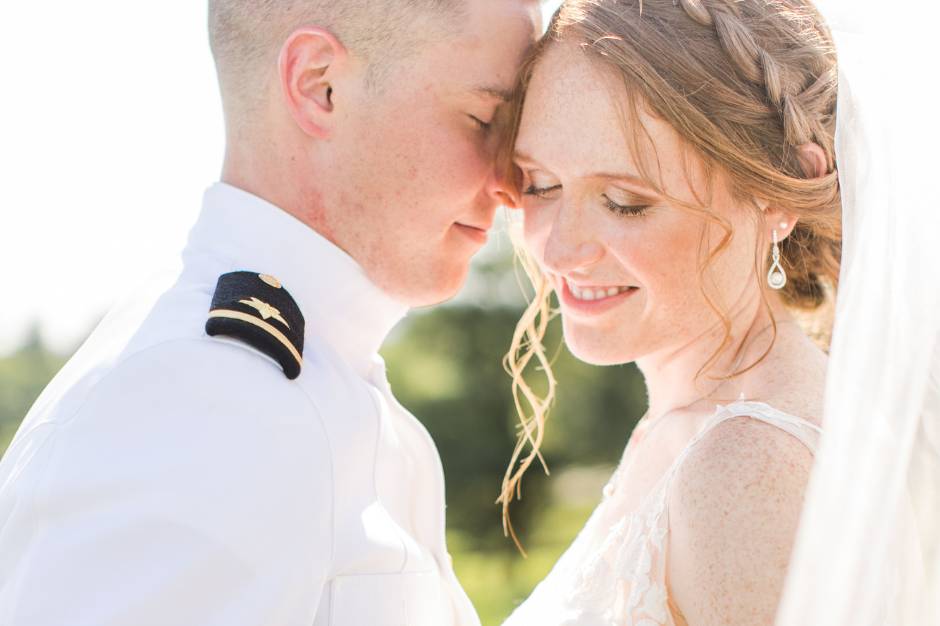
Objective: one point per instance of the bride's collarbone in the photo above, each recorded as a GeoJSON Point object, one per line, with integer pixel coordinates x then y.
{"type": "Point", "coordinates": [651, 452]}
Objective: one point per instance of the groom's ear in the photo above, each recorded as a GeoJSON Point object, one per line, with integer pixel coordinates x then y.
{"type": "Point", "coordinates": [308, 64]}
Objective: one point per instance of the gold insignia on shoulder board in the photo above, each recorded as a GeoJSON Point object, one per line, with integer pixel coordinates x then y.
{"type": "Point", "coordinates": [270, 280]}
{"type": "Point", "coordinates": [265, 310]}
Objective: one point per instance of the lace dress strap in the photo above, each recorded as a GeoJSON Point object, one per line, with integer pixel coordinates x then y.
{"type": "Point", "coordinates": [802, 429]}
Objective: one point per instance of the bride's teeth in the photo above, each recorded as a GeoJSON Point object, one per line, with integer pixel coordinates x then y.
{"type": "Point", "coordinates": [590, 294]}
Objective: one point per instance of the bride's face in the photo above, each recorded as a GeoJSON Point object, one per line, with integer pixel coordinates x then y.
{"type": "Point", "coordinates": [623, 260]}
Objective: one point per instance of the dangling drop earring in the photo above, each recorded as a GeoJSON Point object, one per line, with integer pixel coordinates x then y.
{"type": "Point", "coordinates": [776, 277]}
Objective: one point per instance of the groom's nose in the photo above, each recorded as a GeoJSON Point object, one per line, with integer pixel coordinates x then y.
{"type": "Point", "coordinates": [503, 186]}
{"type": "Point", "coordinates": [505, 183]}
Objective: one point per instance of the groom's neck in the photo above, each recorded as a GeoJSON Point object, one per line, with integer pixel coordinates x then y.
{"type": "Point", "coordinates": [272, 177]}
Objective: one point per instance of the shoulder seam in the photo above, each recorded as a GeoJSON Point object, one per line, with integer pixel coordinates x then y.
{"type": "Point", "coordinates": [329, 445]}
{"type": "Point", "coordinates": [120, 363]}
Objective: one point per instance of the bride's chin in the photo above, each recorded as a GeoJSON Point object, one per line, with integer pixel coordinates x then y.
{"type": "Point", "coordinates": [597, 348]}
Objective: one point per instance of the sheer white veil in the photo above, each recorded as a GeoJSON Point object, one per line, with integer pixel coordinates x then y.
{"type": "Point", "coordinates": [868, 549]}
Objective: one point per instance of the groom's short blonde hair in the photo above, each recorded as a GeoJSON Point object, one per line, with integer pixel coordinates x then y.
{"type": "Point", "coordinates": [246, 35]}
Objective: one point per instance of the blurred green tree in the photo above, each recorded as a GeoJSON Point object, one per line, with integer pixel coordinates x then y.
{"type": "Point", "coordinates": [445, 365]}
{"type": "Point", "coordinates": [23, 375]}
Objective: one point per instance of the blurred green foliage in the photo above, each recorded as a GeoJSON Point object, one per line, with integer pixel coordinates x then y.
{"type": "Point", "coordinates": [23, 375]}
{"type": "Point", "coordinates": [497, 581]}
{"type": "Point", "coordinates": [445, 365]}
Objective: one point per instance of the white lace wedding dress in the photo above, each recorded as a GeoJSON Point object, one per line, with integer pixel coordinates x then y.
{"type": "Point", "coordinates": [614, 574]}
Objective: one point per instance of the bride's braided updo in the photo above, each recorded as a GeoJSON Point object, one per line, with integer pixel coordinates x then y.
{"type": "Point", "coordinates": [784, 91]}
{"type": "Point", "coordinates": [745, 84]}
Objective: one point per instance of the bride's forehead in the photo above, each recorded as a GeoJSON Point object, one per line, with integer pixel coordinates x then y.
{"type": "Point", "coordinates": [566, 103]}
{"type": "Point", "coordinates": [578, 115]}
{"type": "Point", "coordinates": [565, 75]}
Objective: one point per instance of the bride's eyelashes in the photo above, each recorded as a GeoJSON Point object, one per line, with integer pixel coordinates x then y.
{"type": "Point", "coordinates": [635, 210]}
{"type": "Point", "coordinates": [540, 192]}
{"type": "Point", "coordinates": [626, 209]}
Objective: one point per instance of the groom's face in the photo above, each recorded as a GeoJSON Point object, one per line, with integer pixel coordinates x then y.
{"type": "Point", "coordinates": [414, 161]}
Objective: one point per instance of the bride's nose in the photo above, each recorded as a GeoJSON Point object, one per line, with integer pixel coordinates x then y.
{"type": "Point", "coordinates": [571, 245]}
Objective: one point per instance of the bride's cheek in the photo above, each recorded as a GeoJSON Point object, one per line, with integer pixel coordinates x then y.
{"type": "Point", "coordinates": [536, 226]}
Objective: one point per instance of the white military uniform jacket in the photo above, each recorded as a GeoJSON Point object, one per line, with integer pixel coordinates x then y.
{"type": "Point", "coordinates": [169, 478]}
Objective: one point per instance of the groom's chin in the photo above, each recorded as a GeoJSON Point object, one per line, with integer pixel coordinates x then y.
{"type": "Point", "coordinates": [431, 286]}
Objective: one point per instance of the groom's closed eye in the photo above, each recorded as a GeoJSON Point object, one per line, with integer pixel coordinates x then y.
{"type": "Point", "coordinates": [483, 125]}
{"type": "Point", "coordinates": [492, 98]}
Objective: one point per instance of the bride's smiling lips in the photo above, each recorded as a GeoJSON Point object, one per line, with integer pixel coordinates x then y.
{"type": "Point", "coordinates": [591, 299]}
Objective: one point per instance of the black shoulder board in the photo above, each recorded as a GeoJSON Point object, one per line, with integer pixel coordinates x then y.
{"type": "Point", "coordinates": [255, 308]}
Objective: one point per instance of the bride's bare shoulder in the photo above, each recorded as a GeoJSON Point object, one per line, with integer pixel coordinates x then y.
{"type": "Point", "coordinates": [734, 506]}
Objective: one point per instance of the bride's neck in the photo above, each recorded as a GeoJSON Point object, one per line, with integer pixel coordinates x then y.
{"type": "Point", "coordinates": [672, 375]}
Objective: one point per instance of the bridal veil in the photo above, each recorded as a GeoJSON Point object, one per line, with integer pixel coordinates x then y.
{"type": "Point", "coordinates": [868, 549]}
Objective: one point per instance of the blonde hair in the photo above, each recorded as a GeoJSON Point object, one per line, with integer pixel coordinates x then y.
{"type": "Point", "coordinates": [246, 35]}
{"type": "Point", "coordinates": [744, 83]}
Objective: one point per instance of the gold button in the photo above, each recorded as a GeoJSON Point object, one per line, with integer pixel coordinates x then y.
{"type": "Point", "coordinates": [270, 280]}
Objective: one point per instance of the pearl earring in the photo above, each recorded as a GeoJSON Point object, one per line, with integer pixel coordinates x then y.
{"type": "Point", "coordinates": [776, 277]}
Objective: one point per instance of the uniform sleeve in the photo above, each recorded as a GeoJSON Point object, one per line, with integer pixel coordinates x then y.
{"type": "Point", "coordinates": [193, 487]}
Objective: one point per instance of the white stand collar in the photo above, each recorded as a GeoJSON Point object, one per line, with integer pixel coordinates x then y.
{"type": "Point", "coordinates": [341, 305]}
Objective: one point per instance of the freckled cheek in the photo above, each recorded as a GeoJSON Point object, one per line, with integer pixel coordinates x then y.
{"type": "Point", "coordinates": [458, 160]}
{"type": "Point", "coordinates": [679, 286]}
{"type": "Point", "coordinates": [656, 263]}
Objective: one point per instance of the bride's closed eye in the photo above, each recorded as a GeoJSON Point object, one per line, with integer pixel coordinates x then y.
{"type": "Point", "coordinates": [626, 203]}
{"type": "Point", "coordinates": [540, 192]}
{"type": "Point", "coordinates": [635, 210]}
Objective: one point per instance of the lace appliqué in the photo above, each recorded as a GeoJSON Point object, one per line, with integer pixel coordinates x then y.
{"type": "Point", "coordinates": [614, 573]}
{"type": "Point", "coordinates": [621, 581]}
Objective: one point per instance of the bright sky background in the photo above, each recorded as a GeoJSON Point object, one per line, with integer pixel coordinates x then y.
{"type": "Point", "coordinates": [110, 130]}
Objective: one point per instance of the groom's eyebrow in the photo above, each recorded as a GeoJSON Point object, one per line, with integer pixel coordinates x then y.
{"type": "Point", "coordinates": [496, 93]}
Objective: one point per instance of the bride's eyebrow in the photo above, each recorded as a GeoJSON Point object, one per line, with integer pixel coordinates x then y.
{"type": "Point", "coordinates": [626, 177]}
{"type": "Point", "coordinates": [524, 158]}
